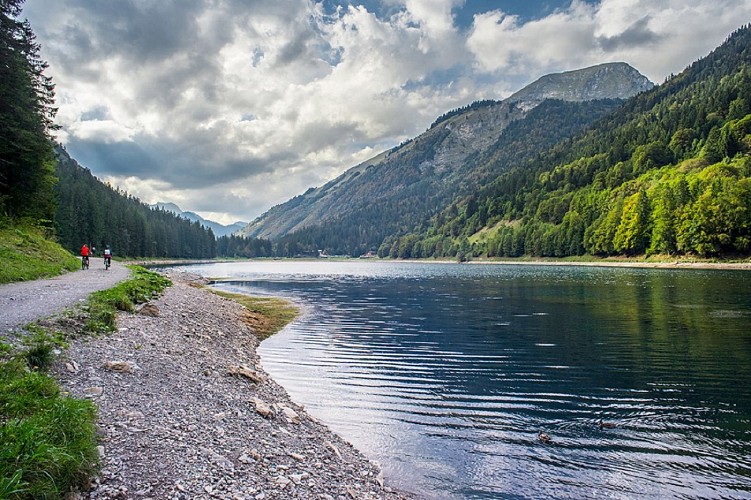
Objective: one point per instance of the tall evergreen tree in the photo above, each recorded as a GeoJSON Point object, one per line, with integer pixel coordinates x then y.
{"type": "Point", "coordinates": [27, 162]}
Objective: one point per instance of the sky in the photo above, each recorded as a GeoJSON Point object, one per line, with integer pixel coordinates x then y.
{"type": "Point", "coordinates": [228, 107]}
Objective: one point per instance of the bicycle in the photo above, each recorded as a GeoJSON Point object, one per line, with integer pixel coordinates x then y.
{"type": "Point", "coordinates": [107, 263]}
{"type": "Point", "coordinates": [84, 262]}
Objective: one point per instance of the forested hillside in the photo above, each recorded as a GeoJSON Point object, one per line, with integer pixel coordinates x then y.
{"type": "Point", "coordinates": [400, 190]}
{"type": "Point", "coordinates": [411, 195]}
{"type": "Point", "coordinates": [94, 213]}
{"type": "Point", "coordinates": [39, 188]}
{"type": "Point", "coordinates": [667, 173]}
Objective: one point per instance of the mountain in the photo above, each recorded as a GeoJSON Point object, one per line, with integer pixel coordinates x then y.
{"type": "Point", "coordinates": [400, 189]}
{"type": "Point", "coordinates": [604, 81]}
{"type": "Point", "coordinates": [218, 229]}
{"type": "Point", "coordinates": [669, 172]}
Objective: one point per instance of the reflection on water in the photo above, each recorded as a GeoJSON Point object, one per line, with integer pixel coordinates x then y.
{"type": "Point", "coordinates": [445, 374]}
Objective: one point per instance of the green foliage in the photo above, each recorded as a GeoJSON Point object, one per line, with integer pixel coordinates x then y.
{"type": "Point", "coordinates": [47, 440]}
{"type": "Point", "coordinates": [667, 173]}
{"type": "Point", "coordinates": [26, 112]}
{"type": "Point", "coordinates": [94, 213]}
{"type": "Point", "coordinates": [27, 254]}
{"type": "Point", "coordinates": [237, 246]}
{"type": "Point", "coordinates": [142, 286]}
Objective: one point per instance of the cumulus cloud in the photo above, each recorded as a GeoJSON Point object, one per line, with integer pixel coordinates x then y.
{"type": "Point", "coordinates": [658, 38]}
{"type": "Point", "coordinates": [231, 106]}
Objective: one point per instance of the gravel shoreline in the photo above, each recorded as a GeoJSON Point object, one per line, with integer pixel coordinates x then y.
{"type": "Point", "coordinates": [186, 412]}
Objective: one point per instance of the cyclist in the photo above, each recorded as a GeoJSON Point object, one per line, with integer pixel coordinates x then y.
{"type": "Point", "coordinates": [85, 256]}
{"type": "Point", "coordinates": [107, 257]}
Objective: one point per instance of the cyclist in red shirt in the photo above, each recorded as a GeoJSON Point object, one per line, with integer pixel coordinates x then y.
{"type": "Point", "coordinates": [85, 256]}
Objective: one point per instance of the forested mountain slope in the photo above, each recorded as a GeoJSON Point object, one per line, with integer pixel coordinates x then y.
{"type": "Point", "coordinates": [669, 172]}
{"type": "Point", "coordinates": [398, 190]}
{"type": "Point", "coordinates": [89, 211]}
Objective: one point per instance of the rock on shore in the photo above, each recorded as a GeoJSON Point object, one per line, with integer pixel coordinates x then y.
{"type": "Point", "coordinates": [186, 412]}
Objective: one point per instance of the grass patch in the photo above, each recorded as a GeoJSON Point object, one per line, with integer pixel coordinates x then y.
{"type": "Point", "coordinates": [26, 253]}
{"type": "Point", "coordinates": [266, 315]}
{"type": "Point", "coordinates": [142, 286]}
{"type": "Point", "coordinates": [40, 346]}
{"type": "Point", "coordinates": [47, 439]}
{"type": "Point", "coordinates": [48, 442]}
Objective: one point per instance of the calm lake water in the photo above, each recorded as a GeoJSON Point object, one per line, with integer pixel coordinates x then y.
{"type": "Point", "coordinates": [445, 374]}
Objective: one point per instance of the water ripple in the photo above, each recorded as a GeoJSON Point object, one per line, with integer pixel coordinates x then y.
{"type": "Point", "coordinates": [446, 375]}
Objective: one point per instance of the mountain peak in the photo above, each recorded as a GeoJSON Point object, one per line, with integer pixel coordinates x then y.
{"type": "Point", "coordinates": [617, 80]}
{"type": "Point", "coordinates": [217, 228]}
{"type": "Point", "coordinates": [432, 168]}
{"type": "Point", "coordinates": [167, 206]}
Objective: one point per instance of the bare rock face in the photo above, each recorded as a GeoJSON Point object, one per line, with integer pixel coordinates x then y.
{"type": "Point", "coordinates": [604, 81]}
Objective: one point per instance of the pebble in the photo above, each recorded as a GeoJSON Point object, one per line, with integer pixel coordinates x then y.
{"type": "Point", "coordinates": [180, 427]}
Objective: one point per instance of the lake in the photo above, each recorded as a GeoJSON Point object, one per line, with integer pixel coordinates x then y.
{"type": "Point", "coordinates": [445, 374]}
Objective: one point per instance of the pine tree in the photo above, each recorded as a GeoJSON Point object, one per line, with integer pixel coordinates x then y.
{"type": "Point", "coordinates": [27, 162]}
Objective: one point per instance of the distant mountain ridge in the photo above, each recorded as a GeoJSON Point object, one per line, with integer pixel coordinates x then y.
{"type": "Point", "coordinates": [403, 187]}
{"type": "Point", "coordinates": [218, 229]}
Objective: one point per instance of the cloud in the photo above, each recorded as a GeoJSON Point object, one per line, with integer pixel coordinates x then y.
{"type": "Point", "coordinates": [585, 34]}
{"type": "Point", "coordinates": [231, 106]}
{"type": "Point", "coordinates": [636, 35]}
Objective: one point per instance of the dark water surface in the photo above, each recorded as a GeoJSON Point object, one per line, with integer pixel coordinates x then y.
{"type": "Point", "coordinates": [445, 374]}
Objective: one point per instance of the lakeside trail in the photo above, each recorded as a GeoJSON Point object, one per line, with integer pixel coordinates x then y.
{"type": "Point", "coordinates": [186, 412]}
{"type": "Point", "coordinates": [26, 301]}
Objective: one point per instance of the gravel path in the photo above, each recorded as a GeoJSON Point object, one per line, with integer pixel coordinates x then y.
{"type": "Point", "coordinates": [21, 303]}
{"type": "Point", "coordinates": [186, 412]}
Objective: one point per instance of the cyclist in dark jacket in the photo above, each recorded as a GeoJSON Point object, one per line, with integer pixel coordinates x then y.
{"type": "Point", "coordinates": [107, 256]}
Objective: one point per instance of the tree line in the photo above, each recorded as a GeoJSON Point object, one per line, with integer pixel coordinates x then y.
{"type": "Point", "coordinates": [92, 212]}
{"type": "Point", "coordinates": [667, 173]}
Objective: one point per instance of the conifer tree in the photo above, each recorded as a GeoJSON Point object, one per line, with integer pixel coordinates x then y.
{"type": "Point", "coordinates": [27, 162]}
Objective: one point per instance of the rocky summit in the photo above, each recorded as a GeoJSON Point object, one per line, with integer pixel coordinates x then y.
{"type": "Point", "coordinates": [604, 81]}
{"type": "Point", "coordinates": [402, 187]}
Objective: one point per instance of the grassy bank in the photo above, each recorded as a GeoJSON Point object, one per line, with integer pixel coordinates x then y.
{"type": "Point", "coordinates": [47, 439]}
{"type": "Point", "coordinates": [48, 443]}
{"type": "Point", "coordinates": [267, 315]}
{"type": "Point", "coordinates": [27, 254]}
{"type": "Point", "coordinates": [141, 287]}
